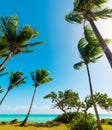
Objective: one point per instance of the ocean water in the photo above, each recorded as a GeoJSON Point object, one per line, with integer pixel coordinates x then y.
{"type": "Point", "coordinates": [40, 118]}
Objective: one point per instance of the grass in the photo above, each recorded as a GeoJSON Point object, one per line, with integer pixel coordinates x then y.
{"type": "Point", "coordinates": [16, 127]}
{"type": "Point", "coordinates": [107, 127]}
{"type": "Point", "coordinates": [29, 127]}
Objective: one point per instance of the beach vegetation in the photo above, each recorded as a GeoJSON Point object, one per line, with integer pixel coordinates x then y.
{"type": "Point", "coordinates": [83, 122]}
{"type": "Point", "coordinates": [64, 101]}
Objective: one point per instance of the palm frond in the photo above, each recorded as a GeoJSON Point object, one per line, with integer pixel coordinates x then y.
{"type": "Point", "coordinates": [33, 76]}
{"type": "Point", "coordinates": [104, 13]}
{"type": "Point", "coordinates": [78, 65]}
{"type": "Point", "coordinates": [16, 79]}
{"type": "Point", "coordinates": [46, 80]}
{"type": "Point", "coordinates": [1, 89]}
{"type": "Point", "coordinates": [26, 33]}
{"type": "Point", "coordinates": [40, 76]}
{"type": "Point", "coordinates": [81, 45]}
{"type": "Point", "coordinates": [31, 44]}
{"type": "Point", "coordinates": [10, 24]}
{"type": "Point", "coordinates": [98, 3]}
{"type": "Point", "coordinates": [76, 3]}
{"type": "Point", "coordinates": [94, 59]}
{"type": "Point", "coordinates": [72, 17]}
{"type": "Point", "coordinates": [89, 34]}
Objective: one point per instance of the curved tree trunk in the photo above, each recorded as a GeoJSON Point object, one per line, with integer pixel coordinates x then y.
{"type": "Point", "coordinates": [26, 118]}
{"type": "Point", "coordinates": [6, 59]}
{"type": "Point", "coordinates": [67, 116]}
{"type": "Point", "coordinates": [92, 97]}
{"type": "Point", "coordinates": [4, 97]}
{"type": "Point", "coordinates": [105, 48]}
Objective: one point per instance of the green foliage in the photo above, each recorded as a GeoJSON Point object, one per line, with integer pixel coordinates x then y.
{"type": "Point", "coordinates": [87, 103]}
{"type": "Point", "coordinates": [40, 76]}
{"type": "Point", "coordinates": [78, 65]}
{"type": "Point", "coordinates": [84, 8]}
{"type": "Point", "coordinates": [1, 72]}
{"type": "Point", "coordinates": [1, 89]}
{"type": "Point", "coordinates": [12, 40]}
{"type": "Point", "coordinates": [16, 79]}
{"type": "Point", "coordinates": [89, 51]}
{"type": "Point", "coordinates": [103, 101]}
{"type": "Point", "coordinates": [82, 122]}
{"type": "Point", "coordinates": [62, 118]}
{"type": "Point", "coordinates": [64, 100]}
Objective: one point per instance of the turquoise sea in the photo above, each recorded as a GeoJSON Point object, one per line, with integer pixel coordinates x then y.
{"type": "Point", "coordinates": [41, 118]}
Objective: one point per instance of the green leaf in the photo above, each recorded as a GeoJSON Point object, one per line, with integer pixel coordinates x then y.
{"type": "Point", "coordinates": [78, 65]}
{"type": "Point", "coordinates": [76, 3]}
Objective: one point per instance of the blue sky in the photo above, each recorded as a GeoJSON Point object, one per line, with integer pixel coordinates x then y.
{"type": "Point", "coordinates": [57, 55]}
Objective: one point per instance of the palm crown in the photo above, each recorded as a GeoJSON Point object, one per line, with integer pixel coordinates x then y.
{"type": "Point", "coordinates": [85, 9]}
{"type": "Point", "coordinates": [40, 76]}
{"type": "Point", "coordinates": [89, 48]}
{"type": "Point", "coordinates": [13, 40]}
{"type": "Point", "coordinates": [16, 79]}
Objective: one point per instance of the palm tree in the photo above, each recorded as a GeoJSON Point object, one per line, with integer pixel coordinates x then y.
{"type": "Point", "coordinates": [89, 53]}
{"type": "Point", "coordinates": [40, 76]}
{"type": "Point", "coordinates": [15, 79]}
{"type": "Point", "coordinates": [14, 41]}
{"type": "Point", "coordinates": [91, 10]}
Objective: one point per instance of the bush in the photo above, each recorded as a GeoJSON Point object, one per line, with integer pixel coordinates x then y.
{"type": "Point", "coordinates": [82, 122]}
{"type": "Point", "coordinates": [62, 118]}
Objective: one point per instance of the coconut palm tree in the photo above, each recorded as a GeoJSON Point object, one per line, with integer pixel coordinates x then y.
{"type": "Point", "coordinates": [91, 10]}
{"type": "Point", "coordinates": [40, 76]}
{"type": "Point", "coordinates": [16, 79]}
{"type": "Point", "coordinates": [89, 53]}
{"type": "Point", "coordinates": [14, 41]}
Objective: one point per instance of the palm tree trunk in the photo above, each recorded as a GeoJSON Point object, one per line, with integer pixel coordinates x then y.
{"type": "Point", "coordinates": [92, 97]}
{"type": "Point", "coordinates": [26, 118]}
{"type": "Point", "coordinates": [105, 48]}
{"type": "Point", "coordinates": [6, 59]}
{"type": "Point", "coordinates": [4, 97]}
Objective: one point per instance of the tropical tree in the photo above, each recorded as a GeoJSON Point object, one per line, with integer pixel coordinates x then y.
{"type": "Point", "coordinates": [89, 53]}
{"type": "Point", "coordinates": [87, 103]}
{"type": "Point", "coordinates": [13, 41]}
{"type": "Point", "coordinates": [40, 76]}
{"type": "Point", "coordinates": [103, 101]}
{"type": "Point", "coordinates": [64, 100]}
{"type": "Point", "coordinates": [91, 10]}
{"type": "Point", "coordinates": [16, 79]}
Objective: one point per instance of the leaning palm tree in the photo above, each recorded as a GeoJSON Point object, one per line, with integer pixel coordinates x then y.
{"type": "Point", "coordinates": [16, 79]}
{"type": "Point", "coordinates": [91, 10]}
{"type": "Point", "coordinates": [89, 52]}
{"type": "Point", "coordinates": [14, 41]}
{"type": "Point", "coordinates": [39, 77]}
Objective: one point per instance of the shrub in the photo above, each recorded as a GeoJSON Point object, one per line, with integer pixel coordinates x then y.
{"type": "Point", "coordinates": [82, 122]}
{"type": "Point", "coordinates": [62, 118]}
